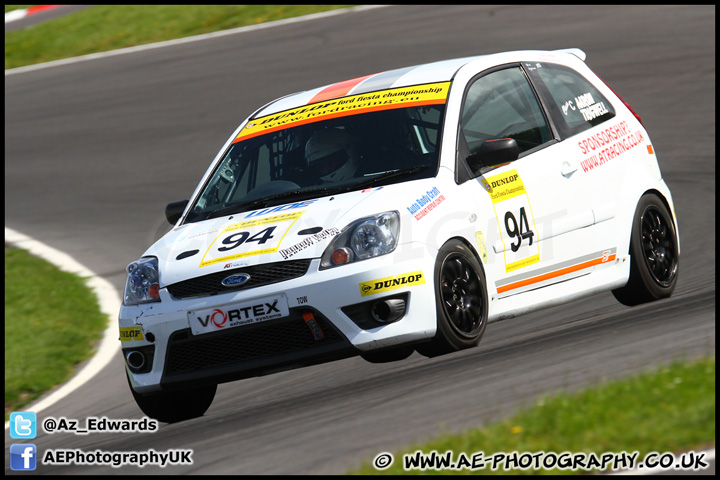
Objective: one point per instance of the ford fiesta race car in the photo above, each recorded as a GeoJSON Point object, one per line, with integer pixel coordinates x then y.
{"type": "Point", "coordinates": [398, 212]}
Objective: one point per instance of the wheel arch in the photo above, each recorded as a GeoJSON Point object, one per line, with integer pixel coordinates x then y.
{"type": "Point", "coordinates": [491, 291]}
{"type": "Point", "coordinates": [470, 246]}
{"type": "Point", "coordinates": [626, 221]}
{"type": "Point", "coordinates": [464, 325]}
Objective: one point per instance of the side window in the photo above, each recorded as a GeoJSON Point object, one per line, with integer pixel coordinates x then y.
{"type": "Point", "coordinates": [578, 105]}
{"type": "Point", "coordinates": [502, 104]}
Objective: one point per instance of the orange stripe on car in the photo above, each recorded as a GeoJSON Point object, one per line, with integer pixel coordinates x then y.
{"type": "Point", "coordinates": [556, 273]}
{"type": "Point", "coordinates": [337, 89]}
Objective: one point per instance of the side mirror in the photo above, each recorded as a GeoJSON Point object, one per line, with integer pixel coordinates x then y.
{"type": "Point", "coordinates": [174, 210]}
{"type": "Point", "coordinates": [493, 153]}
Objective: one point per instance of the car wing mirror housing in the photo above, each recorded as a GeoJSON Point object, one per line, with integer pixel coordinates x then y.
{"type": "Point", "coordinates": [493, 153]}
{"type": "Point", "coordinates": [174, 210]}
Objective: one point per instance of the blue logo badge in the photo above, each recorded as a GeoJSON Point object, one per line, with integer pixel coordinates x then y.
{"type": "Point", "coordinates": [23, 456]}
{"type": "Point", "coordinates": [23, 425]}
{"type": "Point", "coordinates": [235, 280]}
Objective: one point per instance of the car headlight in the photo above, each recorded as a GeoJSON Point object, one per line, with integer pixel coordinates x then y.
{"type": "Point", "coordinates": [364, 238]}
{"type": "Point", "coordinates": [142, 284]}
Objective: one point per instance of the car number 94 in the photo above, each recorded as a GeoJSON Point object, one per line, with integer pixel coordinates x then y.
{"type": "Point", "coordinates": [254, 311]}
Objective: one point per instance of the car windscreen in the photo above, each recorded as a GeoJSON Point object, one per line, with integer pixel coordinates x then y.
{"type": "Point", "coordinates": [320, 158]}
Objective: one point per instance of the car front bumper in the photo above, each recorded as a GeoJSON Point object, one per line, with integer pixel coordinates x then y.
{"type": "Point", "coordinates": [332, 314]}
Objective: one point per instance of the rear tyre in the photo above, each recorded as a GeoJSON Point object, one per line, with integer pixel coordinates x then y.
{"type": "Point", "coordinates": [461, 301]}
{"type": "Point", "coordinates": [175, 406]}
{"type": "Point", "coordinates": [654, 257]}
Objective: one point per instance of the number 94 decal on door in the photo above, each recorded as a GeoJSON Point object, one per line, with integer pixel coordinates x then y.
{"type": "Point", "coordinates": [515, 220]}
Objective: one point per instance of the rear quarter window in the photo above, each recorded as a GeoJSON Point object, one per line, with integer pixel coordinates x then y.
{"type": "Point", "coordinates": [575, 104]}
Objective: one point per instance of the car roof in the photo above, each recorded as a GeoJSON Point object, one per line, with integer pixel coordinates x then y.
{"type": "Point", "coordinates": [441, 71]}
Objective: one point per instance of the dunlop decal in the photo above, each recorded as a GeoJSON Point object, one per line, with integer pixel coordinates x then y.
{"type": "Point", "coordinates": [128, 334]}
{"type": "Point", "coordinates": [505, 186]}
{"type": "Point", "coordinates": [429, 94]}
{"type": "Point", "coordinates": [391, 283]}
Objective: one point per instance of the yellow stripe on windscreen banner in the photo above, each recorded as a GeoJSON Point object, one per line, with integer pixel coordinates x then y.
{"type": "Point", "coordinates": [417, 95]}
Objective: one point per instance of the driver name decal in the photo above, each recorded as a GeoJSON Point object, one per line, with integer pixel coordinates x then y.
{"type": "Point", "coordinates": [587, 106]}
{"type": "Point", "coordinates": [312, 240]}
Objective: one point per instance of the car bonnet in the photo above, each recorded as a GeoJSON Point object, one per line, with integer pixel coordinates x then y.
{"type": "Point", "coordinates": [291, 231]}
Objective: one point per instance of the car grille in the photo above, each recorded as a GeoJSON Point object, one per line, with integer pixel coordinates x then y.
{"type": "Point", "coordinates": [260, 275]}
{"type": "Point", "coordinates": [190, 353]}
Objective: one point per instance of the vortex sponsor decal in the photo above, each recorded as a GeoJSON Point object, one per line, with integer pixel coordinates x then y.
{"type": "Point", "coordinates": [218, 318]}
{"type": "Point", "coordinates": [254, 311]}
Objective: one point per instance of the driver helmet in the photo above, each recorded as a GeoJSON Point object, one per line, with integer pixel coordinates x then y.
{"type": "Point", "coordinates": [331, 154]}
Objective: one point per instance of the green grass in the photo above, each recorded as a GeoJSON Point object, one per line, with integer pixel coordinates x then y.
{"type": "Point", "coordinates": [669, 410]}
{"type": "Point", "coordinates": [52, 321]}
{"type": "Point", "coordinates": [10, 8]}
{"type": "Point", "coordinates": [109, 27]}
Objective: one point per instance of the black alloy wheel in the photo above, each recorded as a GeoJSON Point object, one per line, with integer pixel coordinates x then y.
{"type": "Point", "coordinates": [461, 301]}
{"type": "Point", "coordinates": [654, 254]}
{"type": "Point", "coordinates": [658, 244]}
{"type": "Point", "coordinates": [462, 295]}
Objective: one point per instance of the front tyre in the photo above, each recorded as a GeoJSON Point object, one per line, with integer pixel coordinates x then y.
{"type": "Point", "coordinates": [653, 253]}
{"type": "Point", "coordinates": [175, 406]}
{"type": "Point", "coordinates": [461, 301]}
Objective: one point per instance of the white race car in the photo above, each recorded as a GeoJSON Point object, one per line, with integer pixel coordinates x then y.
{"type": "Point", "coordinates": [398, 212]}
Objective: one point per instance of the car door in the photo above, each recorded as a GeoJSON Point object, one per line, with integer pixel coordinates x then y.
{"type": "Point", "coordinates": [602, 143]}
{"type": "Point", "coordinates": [539, 230]}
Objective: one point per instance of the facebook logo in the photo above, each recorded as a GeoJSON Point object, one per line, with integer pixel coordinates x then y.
{"type": "Point", "coordinates": [23, 456]}
{"type": "Point", "coordinates": [23, 425]}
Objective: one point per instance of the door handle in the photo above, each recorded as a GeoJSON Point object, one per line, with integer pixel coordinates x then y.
{"type": "Point", "coordinates": [566, 169]}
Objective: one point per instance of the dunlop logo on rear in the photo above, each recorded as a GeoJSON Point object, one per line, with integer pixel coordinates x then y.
{"type": "Point", "coordinates": [391, 283]}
